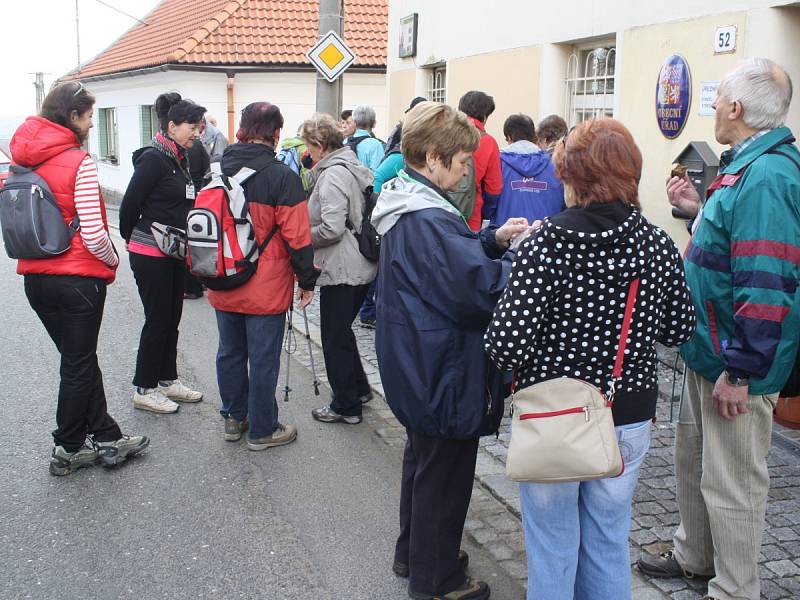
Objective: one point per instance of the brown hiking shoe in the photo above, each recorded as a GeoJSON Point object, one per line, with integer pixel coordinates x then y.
{"type": "Point", "coordinates": [471, 589]}
{"type": "Point", "coordinates": [283, 434]}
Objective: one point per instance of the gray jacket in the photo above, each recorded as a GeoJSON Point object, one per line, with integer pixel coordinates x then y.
{"type": "Point", "coordinates": [336, 189]}
{"type": "Point", "coordinates": [214, 141]}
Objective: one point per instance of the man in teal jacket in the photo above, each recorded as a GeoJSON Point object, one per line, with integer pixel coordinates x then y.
{"type": "Point", "coordinates": [742, 266]}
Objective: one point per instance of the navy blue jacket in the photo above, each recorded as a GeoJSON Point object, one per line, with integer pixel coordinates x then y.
{"type": "Point", "coordinates": [438, 283]}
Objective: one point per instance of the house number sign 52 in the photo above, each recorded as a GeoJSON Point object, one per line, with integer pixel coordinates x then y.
{"type": "Point", "coordinates": [725, 39]}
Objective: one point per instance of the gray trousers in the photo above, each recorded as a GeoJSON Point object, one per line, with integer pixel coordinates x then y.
{"type": "Point", "coordinates": [722, 486]}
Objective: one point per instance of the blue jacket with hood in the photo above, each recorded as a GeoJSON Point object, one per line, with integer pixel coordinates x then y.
{"type": "Point", "coordinates": [530, 186]}
{"type": "Point", "coordinates": [437, 286]}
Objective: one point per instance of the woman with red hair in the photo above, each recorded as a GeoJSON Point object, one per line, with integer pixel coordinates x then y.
{"type": "Point", "coordinates": [250, 318]}
{"type": "Point", "coordinates": [561, 316]}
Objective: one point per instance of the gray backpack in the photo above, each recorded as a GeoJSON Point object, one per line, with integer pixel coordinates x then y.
{"type": "Point", "coordinates": [32, 223]}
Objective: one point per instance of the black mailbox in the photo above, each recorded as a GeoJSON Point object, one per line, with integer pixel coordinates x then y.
{"type": "Point", "coordinates": [701, 164]}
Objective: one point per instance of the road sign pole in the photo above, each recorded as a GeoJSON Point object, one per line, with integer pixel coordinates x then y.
{"type": "Point", "coordinates": [329, 95]}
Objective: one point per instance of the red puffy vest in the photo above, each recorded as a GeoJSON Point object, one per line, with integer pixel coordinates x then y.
{"type": "Point", "coordinates": [60, 172]}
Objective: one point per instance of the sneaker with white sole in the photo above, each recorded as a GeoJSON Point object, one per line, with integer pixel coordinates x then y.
{"type": "Point", "coordinates": [179, 392]}
{"type": "Point", "coordinates": [113, 453]}
{"type": "Point", "coordinates": [64, 463]}
{"type": "Point", "coordinates": [283, 434]}
{"type": "Point", "coordinates": [154, 401]}
{"type": "Point", "coordinates": [327, 415]}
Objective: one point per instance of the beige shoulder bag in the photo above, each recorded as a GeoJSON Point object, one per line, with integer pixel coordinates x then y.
{"type": "Point", "coordinates": [562, 429]}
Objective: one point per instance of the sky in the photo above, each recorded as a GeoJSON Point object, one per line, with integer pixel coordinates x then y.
{"type": "Point", "coordinates": [39, 35]}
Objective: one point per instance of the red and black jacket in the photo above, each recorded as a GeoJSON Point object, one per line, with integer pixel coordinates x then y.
{"type": "Point", "coordinates": [275, 197]}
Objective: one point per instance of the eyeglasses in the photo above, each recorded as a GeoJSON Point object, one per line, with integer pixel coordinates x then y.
{"type": "Point", "coordinates": [79, 90]}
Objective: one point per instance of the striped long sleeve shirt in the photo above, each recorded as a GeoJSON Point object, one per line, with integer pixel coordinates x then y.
{"type": "Point", "coordinates": [90, 213]}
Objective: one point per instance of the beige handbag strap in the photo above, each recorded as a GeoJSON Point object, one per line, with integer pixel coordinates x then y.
{"type": "Point", "coordinates": [616, 374]}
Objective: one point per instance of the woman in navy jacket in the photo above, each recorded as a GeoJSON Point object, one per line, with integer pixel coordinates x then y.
{"type": "Point", "coordinates": [437, 285]}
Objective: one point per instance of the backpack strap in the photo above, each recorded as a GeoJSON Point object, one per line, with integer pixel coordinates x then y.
{"type": "Point", "coordinates": [258, 164]}
{"type": "Point", "coordinates": [791, 158]}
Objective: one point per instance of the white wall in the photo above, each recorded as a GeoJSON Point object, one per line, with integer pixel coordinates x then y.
{"type": "Point", "coordinates": [456, 28]}
{"type": "Point", "coordinates": [294, 93]}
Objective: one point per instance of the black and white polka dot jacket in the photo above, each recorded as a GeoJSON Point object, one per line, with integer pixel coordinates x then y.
{"type": "Point", "coordinates": [562, 310]}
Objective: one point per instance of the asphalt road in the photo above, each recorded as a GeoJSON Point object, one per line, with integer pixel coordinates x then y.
{"type": "Point", "coordinates": [194, 516]}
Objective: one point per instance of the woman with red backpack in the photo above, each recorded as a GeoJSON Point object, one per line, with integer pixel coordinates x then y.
{"type": "Point", "coordinates": [68, 290]}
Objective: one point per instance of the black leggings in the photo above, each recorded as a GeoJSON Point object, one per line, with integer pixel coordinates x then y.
{"type": "Point", "coordinates": [160, 282]}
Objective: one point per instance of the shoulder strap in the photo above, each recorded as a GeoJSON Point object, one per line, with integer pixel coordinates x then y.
{"type": "Point", "coordinates": [791, 158]}
{"type": "Point", "coordinates": [623, 336]}
{"type": "Point", "coordinates": [251, 168]}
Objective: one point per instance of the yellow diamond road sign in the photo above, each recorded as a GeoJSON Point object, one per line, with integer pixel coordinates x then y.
{"type": "Point", "coordinates": [331, 56]}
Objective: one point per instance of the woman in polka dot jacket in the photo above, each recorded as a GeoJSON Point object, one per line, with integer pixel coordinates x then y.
{"type": "Point", "coordinates": [561, 316]}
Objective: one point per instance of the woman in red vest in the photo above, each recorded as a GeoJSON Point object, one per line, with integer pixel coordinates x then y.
{"type": "Point", "coordinates": [68, 291]}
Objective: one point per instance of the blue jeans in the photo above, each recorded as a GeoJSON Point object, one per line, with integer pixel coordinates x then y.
{"type": "Point", "coordinates": [257, 340]}
{"type": "Point", "coordinates": [576, 534]}
{"type": "Point", "coordinates": [368, 311]}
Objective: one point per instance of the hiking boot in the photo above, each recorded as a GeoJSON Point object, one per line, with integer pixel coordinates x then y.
{"type": "Point", "coordinates": [327, 415]}
{"type": "Point", "coordinates": [154, 401]}
{"type": "Point", "coordinates": [471, 589]}
{"type": "Point", "coordinates": [64, 463]}
{"type": "Point", "coordinates": [128, 446]}
{"type": "Point", "coordinates": [179, 393]}
{"type": "Point", "coordinates": [234, 428]}
{"type": "Point", "coordinates": [401, 569]}
{"type": "Point", "coordinates": [284, 434]}
{"type": "Point", "coordinates": [665, 565]}
{"type": "Point", "coordinates": [366, 397]}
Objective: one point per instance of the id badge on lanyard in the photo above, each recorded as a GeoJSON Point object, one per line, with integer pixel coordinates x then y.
{"type": "Point", "coordinates": [190, 192]}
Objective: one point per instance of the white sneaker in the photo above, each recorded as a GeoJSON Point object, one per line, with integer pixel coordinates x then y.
{"type": "Point", "coordinates": [179, 392]}
{"type": "Point", "coordinates": [154, 401]}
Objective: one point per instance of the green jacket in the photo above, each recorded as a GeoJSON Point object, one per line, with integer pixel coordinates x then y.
{"type": "Point", "coordinates": [743, 266]}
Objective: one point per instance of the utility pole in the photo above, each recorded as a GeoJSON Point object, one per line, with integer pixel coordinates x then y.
{"type": "Point", "coordinates": [78, 34]}
{"type": "Point", "coordinates": [39, 85]}
{"type": "Point", "coordinates": [329, 95]}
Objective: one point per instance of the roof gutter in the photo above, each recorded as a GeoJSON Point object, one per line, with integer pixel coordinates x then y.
{"type": "Point", "coordinates": [225, 69]}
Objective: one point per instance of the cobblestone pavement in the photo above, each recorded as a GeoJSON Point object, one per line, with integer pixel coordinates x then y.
{"type": "Point", "coordinates": [494, 517]}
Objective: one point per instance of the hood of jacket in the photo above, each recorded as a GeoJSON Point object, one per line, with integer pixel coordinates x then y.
{"type": "Point", "coordinates": [38, 140]}
{"type": "Point", "coordinates": [403, 195]}
{"type": "Point", "coordinates": [527, 164]}
{"type": "Point", "coordinates": [344, 157]}
{"type": "Point", "coordinates": [607, 240]}
{"type": "Point", "coordinates": [240, 154]}
{"type": "Point", "coordinates": [292, 142]}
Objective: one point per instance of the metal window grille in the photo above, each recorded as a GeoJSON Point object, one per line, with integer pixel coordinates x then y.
{"type": "Point", "coordinates": [437, 92]}
{"type": "Point", "coordinates": [590, 84]}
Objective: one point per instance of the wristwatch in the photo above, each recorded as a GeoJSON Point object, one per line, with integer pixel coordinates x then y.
{"type": "Point", "coordinates": [736, 380]}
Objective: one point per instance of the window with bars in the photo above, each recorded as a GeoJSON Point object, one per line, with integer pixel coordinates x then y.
{"type": "Point", "coordinates": [148, 123]}
{"type": "Point", "coordinates": [437, 89]}
{"type": "Point", "coordinates": [590, 84]}
{"type": "Point", "coordinates": [107, 135]}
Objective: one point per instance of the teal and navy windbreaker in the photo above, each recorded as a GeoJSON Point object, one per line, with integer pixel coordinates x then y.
{"type": "Point", "coordinates": [743, 266]}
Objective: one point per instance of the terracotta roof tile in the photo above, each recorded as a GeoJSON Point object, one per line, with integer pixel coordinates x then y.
{"type": "Point", "coordinates": [239, 32]}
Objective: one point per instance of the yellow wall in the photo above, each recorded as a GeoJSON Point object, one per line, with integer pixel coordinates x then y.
{"type": "Point", "coordinates": [401, 91]}
{"type": "Point", "coordinates": [510, 76]}
{"type": "Point", "coordinates": [644, 51]}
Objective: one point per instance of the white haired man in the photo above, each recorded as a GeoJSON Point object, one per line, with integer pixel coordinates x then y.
{"type": "Point", "coordinates": [367, 147]}
{"type": "Point", "coordinates": [742, 266]}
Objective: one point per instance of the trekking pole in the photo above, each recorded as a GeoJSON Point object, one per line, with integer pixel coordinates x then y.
{"type": "Point", "coordinates": [311, 355]}
{"type": "Point", "coordinates": [290, 348]}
